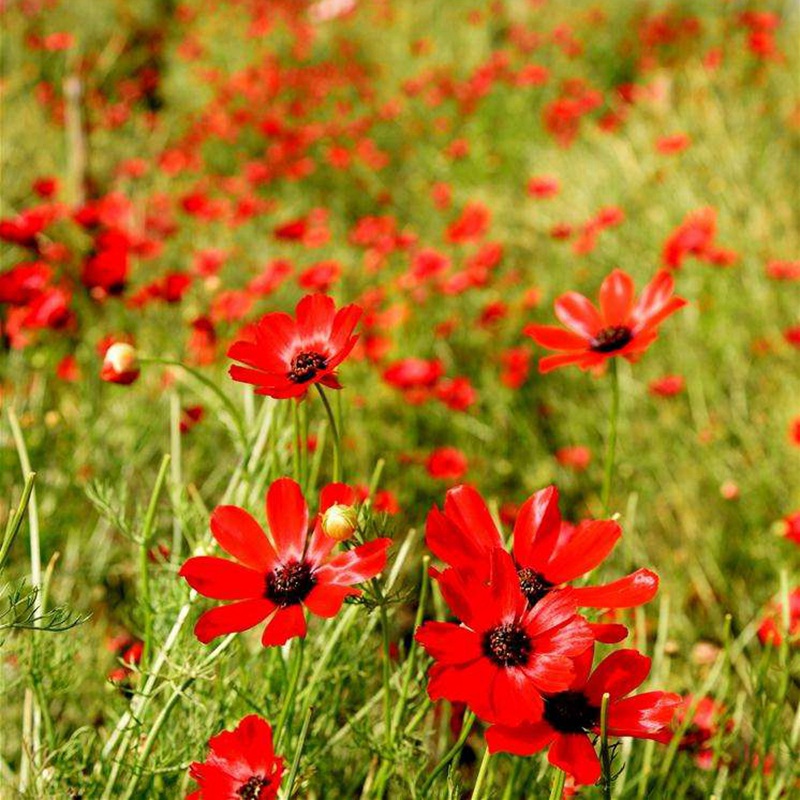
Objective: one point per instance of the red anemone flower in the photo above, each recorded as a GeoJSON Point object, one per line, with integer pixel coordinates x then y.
{"type": "Point", "coordinates": [505, 653]}
{"type": "Point", "coordinates": [569, 717]}
{"type": "Point", "coordinates": [621, 327]}
{"type": "Point", "coordinates": [240, 763]}
{"type": "Point", "coordinates": [548, 552]}
{"type": "Point", "coordinates": [289, 355]}
{"type": "Point", "coordinates": [275, 580]}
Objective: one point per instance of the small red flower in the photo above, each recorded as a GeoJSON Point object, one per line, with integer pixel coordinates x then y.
{"type": "Point", "coordinates": [505, 653]}
{"type": "Point", "coordinates": [287, 355]}
{"type": "Point", "coordinates": [791, 527]}
{"type": "Point", "coordinates": [240, 763]}
{"type": "Point", "coordinates": [275, 580]}
{"type": "Point", "coordinates": [570, 716]}
{"type": "Point", "coordinates": [447, 464]}
{"type": "Point", "coordinates": [668, 386]}
{"type": "Point", "coordinates": [621, 327]}
{"type": "Point", "coordinates": [548, 553]}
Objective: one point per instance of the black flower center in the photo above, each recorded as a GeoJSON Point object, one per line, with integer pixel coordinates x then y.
{"type": "Point", "coordinates": [611, 339]}
{"type": "Point", "coordinates": [533, 585]}
{"type": "Point", "coordinates": [252, 789]}
{"type": "Point", "coordinates": [289, 584]}
{"type": "Point", "coordinates": [305, 367]}
{"type": "Point", "coordinates": [507, 645]}
{"type": "Point", "coordinates": [570, 712]}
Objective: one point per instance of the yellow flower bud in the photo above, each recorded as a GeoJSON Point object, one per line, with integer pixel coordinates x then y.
{"type": "Point", "coordinates": [339, 522]}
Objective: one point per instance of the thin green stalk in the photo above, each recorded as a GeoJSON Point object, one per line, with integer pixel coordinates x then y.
{"type": "Point", "coordinates": [304, 446]}
{"type": "Point", "coordinates": [482, 772]}
{"type": "Point", "coordinates": [451, 754]}
{"type": "Point", "coordinates": [175, 472]}
{"type": "Point", "coordinates": [15, 520]}
{"type": "Point", "coordinates": [605, 753]}
{"type": "Point", "coordinates": [291, 691]}
{"type": "Point", "coordinates": [298, 751]}
{"type": "Point", "coordinates": [144, 550]}
{"type": "Point", "coordinates": [557, 788]}
{"type": "Point", "coordinates": [337, 443]}
{"type": "Point", "coordinates": [297, 447]}
{"type": "Point", "coordinates": [611, 441]}
{"type": "Point", "coordinates": [511, 783]}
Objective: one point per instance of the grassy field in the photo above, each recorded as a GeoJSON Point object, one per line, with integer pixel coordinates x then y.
{"type": "Point", "coordinates": [172, 172]}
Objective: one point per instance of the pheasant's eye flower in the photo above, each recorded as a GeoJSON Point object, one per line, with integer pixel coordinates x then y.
{"type": "Point", "coordinates": [621, 327]}
{"type": "Point", "coordinates": [289, 355]}
{"type": "Point", "coordinates": [548, 552]}
{"type": "Point", "coordinates": [569, 717]}
{"type": "Point", "coordinates": [120, 364]}
{"type": "Point", "coordinates": [505, 653]}
{"type": "Point", "coordinates": [240, 763]}
{"type": "Point", "coordinates": [276, 580]}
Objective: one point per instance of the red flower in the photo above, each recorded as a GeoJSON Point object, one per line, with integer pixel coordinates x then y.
{"type": "Point", "coordinates": [240, 763]}
{"type": "Point", "coordinates": [668, 386]}
{"type": "Point", "coordinates": [772, 629]}
{"type": "Point", "coordinates": [791, 527]}
{"type": "Point", "coordinates": [570, 716]}
{"type": "Point", "coordinates": [505, 653]}
{"type": "Point", "coordinates": [547, 552]}
{"type": "Point", "coordinates": [447, 464]}
{"type": "Point", "coordinates": [274, 580]}
{"type": "Point", "coordinates": [622, 326]}
{"type": "Point", "coordinates": [120, 364]}
{"type": "Point", "coordinates": [289, 355]}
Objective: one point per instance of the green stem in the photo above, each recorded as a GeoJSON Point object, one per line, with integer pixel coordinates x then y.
{"type": "Point", "coordinates": [15, 520]}
{"type": "Point", "coordinates": [288, 703]}
{"type": "Point", "coordinates": [296, 467]}
{"type": "Point", "coordinates": [337, 444]}
{"type": "Point", "coordinates": [605, 753]}
{"type": "Point", "coordinates": [557, 789]}
{"type": "Point", "coordinates": [482, 772]}
{"type": "Point", "coordinates": [144, 549]}
{"type": "Point", "coordinates": [611, 441]}
{"type": "Point", "coordinates": [451, 754]}
{"type": "Point", "coordinates": [298, 751]}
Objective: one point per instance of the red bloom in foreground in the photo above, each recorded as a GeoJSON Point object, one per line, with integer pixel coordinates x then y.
{"type": "Point", "coordinates": [621, 327]}
{"type": "Point", "coordinates": [240, 763]}
{"type": "Point", "coordinates": [548, 553]}
{"type": "Point", "coordinates": [505, 653]}
{"type": "Point", "coordinates": [289, 355]}
{"type": "Point", "coordinates": [570, 716]}
{"type": "Point", "coordinates": [275, 580]}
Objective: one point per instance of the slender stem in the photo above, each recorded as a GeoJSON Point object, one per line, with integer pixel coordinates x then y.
{"type": "Point", "coordinates": [303, 445]}
{"type": "Point", "coordinates": [451, 754]}
{"type": "Point", "coordinates": [15, 520]}
{"type": "Point", "coordinates": [482, 772]}
{"type": "Point", "coordinates": [557, 789]}
{"type": "Point", "coordinates": [176, 476]}
{"type": "Point", "coordinates": [511, 783]}
{"type": "Point", "coordinates": [611, 441]}
{"type": "Point", "coordinates": [298, 751]}
{"type": "Point", "coordinates": [288, 703]}
{"type": "Point", "coordinates": [605, 753]}
{"type": "Point", "coordinates": [144, 550]}
{"type": "Point", "coordinates": [337, 444]}
{"type": "Point", "coordinates": [296, 469]}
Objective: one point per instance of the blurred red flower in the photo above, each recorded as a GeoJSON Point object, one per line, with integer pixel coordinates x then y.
{"type": "Point", "coordinates": [668, 386]}
{"type": "Point", "coordinates": [447, 464]}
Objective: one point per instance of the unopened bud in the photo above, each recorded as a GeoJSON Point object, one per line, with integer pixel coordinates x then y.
{"type": "Point", "coordinates": [120, 364]}
{"type": "Point", "coordinates": [339, 522]}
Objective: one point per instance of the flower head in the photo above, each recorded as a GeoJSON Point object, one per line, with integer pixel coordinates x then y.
{"type": "Point", "coordinates": [240, 763]}
{"type": "Point", "coordinates": [505, 653]}
{"type": "Point", "coordinates": [288, 355]}
{"type": "Point", "coordinates": [277, 580]}
{"type": "Point", "coordinates": [120, 364]}
{"type": "Point", "coordinates": [620, 327]}
{"type": "Point", "coordinates": [570, 716]}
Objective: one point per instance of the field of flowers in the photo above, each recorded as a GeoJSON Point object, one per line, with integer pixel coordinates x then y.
{"type": "Point", "coordinates": [400, 399]}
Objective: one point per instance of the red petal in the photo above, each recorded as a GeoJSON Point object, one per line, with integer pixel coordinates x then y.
{"type": "Point", "coordinates": [315, 314]}
{"type": "Point", "coordinates": [242, 537]}
{"type": "Point", "coordinates": [222, 579]}
{"type": "Point", "coordinates": [513, 697]}
{"type": "Point", "coordinates": [587, 547]}
{"type": "Point", "coordinates": [645, 716]}
{"type": "Point", "coordinates": [551, 673]}
{"type": "Point", "coordinates": [287, 623]}
{"type": "Point", "coordinates": [344, 323]}
{"type": "Point", "coordinates": [448, 643]}
{"type": "Point", "coordinates": [356, 565]}
{"type": "Point", "coordinates": [573, 752]}
{"type": "Point", "coordinates": [536, 529]}
{"type": "Point", "coordinates": [524, 740]}
{"type": "Point", "coordinates": [618, 674]}
{"type": "Point", "coordinates": [555, 338]}
{"type": "Point", "coordinates": [455, 546]}
{"type": "Point", "coordinates": [507, 597]}
{"type": "Point", "coordinates": [336, 494]}
{"type": "Point", "coordinates": [325, 600]}
{"type": "Point", "coordinates": [608, 633]}
{"type": "Point", "coordinates": [553, 610]}
{"type": "Point", "coordinates": [287, 515]}
{"type": "Point", "coordinates": [467, 509]}
{"type": "Point", "coordinates": [578, 314]}
{"type": "Point", "coordinates": [633, 590]}
{"type": "Point", "coordinates": [232, 618]}
{"type": "Point", "coordinates": [582, 360]}
{"type": "Point", "coordinates": [616, 298]}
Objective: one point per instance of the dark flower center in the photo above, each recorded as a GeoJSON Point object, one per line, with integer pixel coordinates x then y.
{"type": "Point", "coordinates": [252, 789]}
{"type": "Point", "coordinates": [612, 338]}
{"type": "Point", "coordinates": [289, 584]}
{"type": "Point", "coordinates": [533, 585]}
{"type": "Point", "coordinates": [507, 645]}
{"type": "Point", "coordinates": [570, 712]}
{"type": "Point", "coordinates": [305, 367]}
